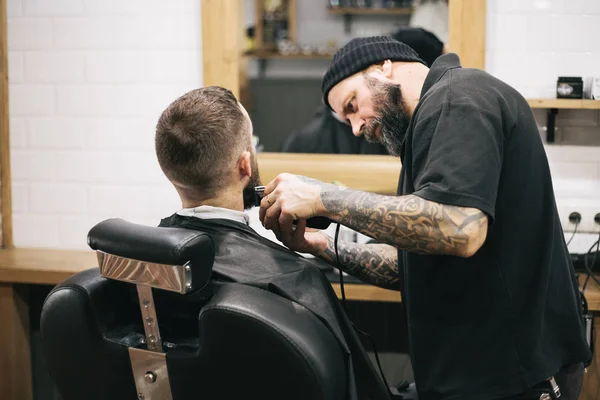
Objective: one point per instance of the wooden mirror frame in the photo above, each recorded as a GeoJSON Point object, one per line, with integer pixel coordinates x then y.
{"type": "Point", "coordinates": [5, 178]}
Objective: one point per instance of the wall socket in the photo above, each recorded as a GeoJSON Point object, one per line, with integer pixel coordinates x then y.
{"type": "Point", "coordinates": [587, 224]}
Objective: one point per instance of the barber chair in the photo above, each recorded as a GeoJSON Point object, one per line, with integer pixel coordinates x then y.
{"type": "Point", "coordinates": [149, 323]}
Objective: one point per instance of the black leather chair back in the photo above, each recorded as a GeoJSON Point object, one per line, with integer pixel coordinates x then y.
{"type": "Point", "coordinates": [189, 337]}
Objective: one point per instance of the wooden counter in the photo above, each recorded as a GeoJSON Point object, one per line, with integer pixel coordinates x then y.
{"type": "Point", "coordinates": [43, 266]}
{"type": "Point", "coordinates": [362, 292]}
{"type": "Point", "coordinates": [51, 267]}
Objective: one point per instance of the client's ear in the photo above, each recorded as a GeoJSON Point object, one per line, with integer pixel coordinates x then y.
{"type": "Point", "coordinates": [244, 165]}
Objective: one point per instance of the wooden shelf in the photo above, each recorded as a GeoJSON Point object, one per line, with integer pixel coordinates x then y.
{"type": "Point", "coordinates": [349, 12]}
{"type": "Point", "coordinates": [287, 12]}
{"type": "Point", "coordinates": [553, 105]}
{"type": "Point", "coordinates": [565, 103]}
{"type": "Point", "coordinates": [370, 11]}
{"type": "Point", "coordinates": [270, 55]}
{"type": "Point", "coordinates": [262, 56]}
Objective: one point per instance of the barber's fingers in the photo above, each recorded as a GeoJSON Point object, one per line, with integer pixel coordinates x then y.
{"type": "Point", "coordinates": [265, 203]}
{"type": "Point", "coordinates": [286, 225]}
{"type": "Point", "coordinates": [272, 215]}
{"type": "Point", "coordinates": [282, 179]}
{"type": "Point", "coordinates": [277, 233]}
{"type": "Point", "coordinates": [269, 187]}
{"type": "Point", "coordinates": [298, 235]}
{"type": "Point", "coordinates": [261, 213]}
{"type": "Point", "coordinates": [270, 221]}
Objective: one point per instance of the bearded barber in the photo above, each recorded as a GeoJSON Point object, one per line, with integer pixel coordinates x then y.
{"type": "Point", "coordinates": [472, 238]}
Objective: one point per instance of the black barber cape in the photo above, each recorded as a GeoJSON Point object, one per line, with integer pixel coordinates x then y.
{"type": "Point", "coordinates": [243, 256]}
{"type": "Point", "coordinates": [508, 317]}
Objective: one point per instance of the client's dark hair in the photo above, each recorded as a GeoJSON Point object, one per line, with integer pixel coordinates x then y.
{"type": "Point", "coordinates": [197, 138]}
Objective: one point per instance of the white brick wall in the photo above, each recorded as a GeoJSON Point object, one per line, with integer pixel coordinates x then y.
{"type": "Point", "coordinates": [88, 79]}
{"type": "Point", "coordinates": [532, 42]}
{"type": "Point", "coordinates": [529, 44]}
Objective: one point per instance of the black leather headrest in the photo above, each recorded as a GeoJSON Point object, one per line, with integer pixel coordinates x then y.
{"type": "Point", "coordinates": [174, 246]}
{"type": "Point", "coordinates": [160, 245]}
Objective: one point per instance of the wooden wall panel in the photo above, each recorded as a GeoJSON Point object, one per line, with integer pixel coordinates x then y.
{"type": "Point", "coordinates": [467, 31]}
{"type": "Point", "coordinates": [591, 380]}
{"type": "Point", "coordinates": [5, 179]}
{"type": "Point", "coordinates": [222, 44]}
{"type": "Point", "coordinates": [15, 355]}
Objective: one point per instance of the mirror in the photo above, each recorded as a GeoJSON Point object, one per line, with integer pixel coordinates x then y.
{"type": "Point", "coordinates": [288, 45]}
{"type": "Point", "coordinates": [226, 63]}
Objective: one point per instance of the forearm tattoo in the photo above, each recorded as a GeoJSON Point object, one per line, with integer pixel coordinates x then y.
{"type": "Point", "coordinates": [408, 222]}
{"type": "Point", "coordinates": [376, 264]}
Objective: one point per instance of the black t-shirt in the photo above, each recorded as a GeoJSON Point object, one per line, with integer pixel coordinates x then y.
{"type": "Point", "coordinates": [508, 317]}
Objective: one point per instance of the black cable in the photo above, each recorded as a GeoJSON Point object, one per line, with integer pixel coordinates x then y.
{"type": "Point", "coordinates": [573, 235]}
{"type": "Point", "coordinates": [587, 278]}
{"type": "Point", "coordinates": [588, 267]}
{"type": "Point", "coordinates": [340, 265]}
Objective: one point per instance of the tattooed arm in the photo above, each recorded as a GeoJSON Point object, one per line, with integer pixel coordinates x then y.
{"type": "Point", "coordinates": [376, 264]}
{"type": "Point", "coordinates": [407, 222]}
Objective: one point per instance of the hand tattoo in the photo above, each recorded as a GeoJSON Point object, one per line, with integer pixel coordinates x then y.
{"type": "Point", "coordinates": [376, 264]}
{"type": "Point", "coordinates": [408, 222]}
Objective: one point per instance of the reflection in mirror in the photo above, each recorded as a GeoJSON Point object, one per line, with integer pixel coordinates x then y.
{"type": "Point", "coordinates": [289, 44]}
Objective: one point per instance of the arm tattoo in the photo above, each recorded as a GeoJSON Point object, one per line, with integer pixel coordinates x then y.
{"type": "Point", "coordinates": [408, 222]}
{"type": "Point", "coordinates": [376, 264]}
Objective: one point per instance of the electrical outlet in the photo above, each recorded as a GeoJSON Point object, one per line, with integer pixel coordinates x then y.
{"type": "Point", "coordinates": [587, 224]}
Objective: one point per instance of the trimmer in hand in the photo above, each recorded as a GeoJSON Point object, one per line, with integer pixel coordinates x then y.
{"type": "Point", "coordinates": [313, 222]}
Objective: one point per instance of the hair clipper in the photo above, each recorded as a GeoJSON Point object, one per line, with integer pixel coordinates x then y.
{"type": "Point", "coordinates": [313, 222]}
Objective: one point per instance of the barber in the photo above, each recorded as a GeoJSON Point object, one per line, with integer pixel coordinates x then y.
{"type": "Point", "coordinates": [472, 238]}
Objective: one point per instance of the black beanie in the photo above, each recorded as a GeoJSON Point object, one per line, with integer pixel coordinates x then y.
{"type": "Point", "coordinates": [360, 53]}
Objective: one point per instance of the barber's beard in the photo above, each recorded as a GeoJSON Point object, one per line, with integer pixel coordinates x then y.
{"type": "Point", "coordinates": [249, 196]}
{"type": "Point", "coordinates": [393, 117]}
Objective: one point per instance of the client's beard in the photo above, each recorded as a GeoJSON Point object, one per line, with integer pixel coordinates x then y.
{"type": "Point", "coordinates": [392, 116]}
{"type": "Point", "coordinates": [248, 193]}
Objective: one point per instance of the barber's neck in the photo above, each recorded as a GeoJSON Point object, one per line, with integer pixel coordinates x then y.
{"type": "Point", "coordinates": [411, 77]}
{"type": "Point", "coordinates": [230, 198]}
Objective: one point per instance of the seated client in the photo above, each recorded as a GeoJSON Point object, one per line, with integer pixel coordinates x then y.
{"type": "Point", "coordinates": [204, 147]}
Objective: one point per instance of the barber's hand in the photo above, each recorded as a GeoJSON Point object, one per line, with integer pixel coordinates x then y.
{"type": "Point", "coordinates": [304, 240]}
{"type": "Point", "coordinates": [290, 197]}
